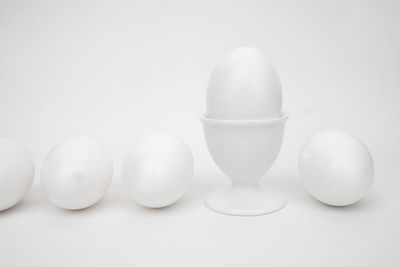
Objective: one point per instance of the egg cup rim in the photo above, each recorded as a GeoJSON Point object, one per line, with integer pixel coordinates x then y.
{"type": "Point", "coordinates": [282, 117]}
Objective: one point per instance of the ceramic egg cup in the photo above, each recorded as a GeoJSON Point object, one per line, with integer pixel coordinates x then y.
{"type": "Point", "coordinates": [244, 150]}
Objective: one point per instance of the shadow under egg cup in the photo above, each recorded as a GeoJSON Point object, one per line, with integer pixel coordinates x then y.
{"type": "Point", "coordinates": [244, 150]}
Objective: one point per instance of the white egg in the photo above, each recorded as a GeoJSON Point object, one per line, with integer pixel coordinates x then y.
{"type": "Point", "coordinates": [336, 168]}
{"type": "Point", "coordinates": [244, 85]}
{"type": "Point", "coordinates": [77, 173]}
{"type": "Point", "coordinates": [158, 170]}
{"type": "Point", "coordinates": [17, 170]}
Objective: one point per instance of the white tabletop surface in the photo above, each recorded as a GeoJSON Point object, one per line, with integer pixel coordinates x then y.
{"type": "Point", "coordinates": [115, 70]}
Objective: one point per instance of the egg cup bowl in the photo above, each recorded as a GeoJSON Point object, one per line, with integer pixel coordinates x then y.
{"type": "Point", "coordinates": [244, 150]}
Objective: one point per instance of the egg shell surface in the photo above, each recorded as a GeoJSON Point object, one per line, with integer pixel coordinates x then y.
{"type": "Point", "coordinates": [244, 86]}
{"type": "Point", "coordinates": [158, 170]}
{"type": "Point", "coordinates": [77, 173]}
{"type": "Point", "coordinates": [17, 170]}
{"type": "Point", "coordinates": [336, 168]}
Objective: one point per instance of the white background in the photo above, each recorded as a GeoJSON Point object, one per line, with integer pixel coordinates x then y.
{"type": "Point", "coordinates": [115, 70]}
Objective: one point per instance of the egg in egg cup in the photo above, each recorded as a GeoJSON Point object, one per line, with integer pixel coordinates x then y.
{"type": "Point", "coordinates": [244, 128]}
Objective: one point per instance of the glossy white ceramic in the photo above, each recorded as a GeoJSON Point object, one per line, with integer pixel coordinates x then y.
{"type": "Point", "coordinates": [244, 150]}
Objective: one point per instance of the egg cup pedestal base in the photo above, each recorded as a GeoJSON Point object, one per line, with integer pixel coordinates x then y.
{"type": "Point", "coordinates": [249, 201]}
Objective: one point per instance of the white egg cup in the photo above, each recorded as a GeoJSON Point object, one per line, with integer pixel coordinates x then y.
{"type": "Point", "coordinates": [244, 150]}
